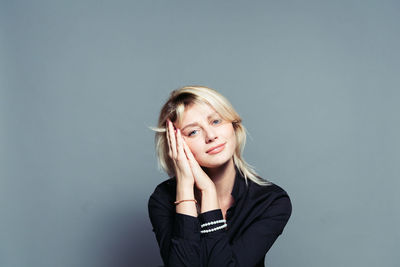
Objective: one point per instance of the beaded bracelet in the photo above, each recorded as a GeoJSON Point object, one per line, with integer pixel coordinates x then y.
{"type": "Point", "coordinates": [212, 223]}
{"type": "Point", "coordinates": [213, 229]}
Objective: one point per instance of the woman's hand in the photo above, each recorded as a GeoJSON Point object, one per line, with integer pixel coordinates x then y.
{"type": "Point", "coordinates": [203, 182]}
{"type": "Point", "coordinates": [209, 198]}
{"type": "Point", "coordinates": [184, 176]}
{"type": "Point", "coordinates": [176, 151]}
{"type": "Point", "coordinates": [188, 170]}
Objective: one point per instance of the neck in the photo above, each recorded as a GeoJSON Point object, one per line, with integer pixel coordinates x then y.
{"type": "Point", "coordinates": [223, 177]}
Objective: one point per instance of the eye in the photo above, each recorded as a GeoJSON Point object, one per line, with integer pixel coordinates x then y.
{"type": "Point", "coordinates": [190, 134]}
{"type": "Point", "coordinates": [216, 121]}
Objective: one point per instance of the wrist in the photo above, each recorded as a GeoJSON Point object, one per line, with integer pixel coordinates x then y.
{"type": "Point", "coordinates": [184, 183]}
{"type": "Point", "coordinates": [184, 191]}
{"type": "Point", "coordinates": [210, 189]}
{"type": "Point", "coordinates": [185, 207]}
{"type": "Point", "coordinates": [209, 199]}
{"type": "Point", "coordinates": [184, 187]}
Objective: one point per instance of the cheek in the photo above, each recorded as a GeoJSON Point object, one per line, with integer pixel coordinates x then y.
{"type": "Point", "coordinates": [233, 140]}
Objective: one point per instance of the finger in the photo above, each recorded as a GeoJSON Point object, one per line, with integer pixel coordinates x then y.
{"type": "Point", "coordinates": [168, 139]}
{"type": "Point", "coordinates": [194, 165]}
{"type": "Point", "coordinates": [179, 144]}
{"type": "Point", "coordinates": [189, 155]}
{"type": "Point", "coordinates": [202, 180]}
{"type": "Point", "coordinates": [172, 138]}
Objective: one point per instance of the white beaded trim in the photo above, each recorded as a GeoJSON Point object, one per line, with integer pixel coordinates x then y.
{"type": "Point", "coordinates": [213, 229]}
{"type": "Point", "coordinates": [211, 223]}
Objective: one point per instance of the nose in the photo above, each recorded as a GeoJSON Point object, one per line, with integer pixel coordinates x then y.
{"type": "Point", "coordinates": [210, 135]}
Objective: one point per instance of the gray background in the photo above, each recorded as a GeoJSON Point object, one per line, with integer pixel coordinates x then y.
{"type": "Point", "coordinates": [316, 83]}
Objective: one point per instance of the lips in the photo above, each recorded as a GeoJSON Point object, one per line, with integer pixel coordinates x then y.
{"type": "Point", "coordinates": [218, 146]}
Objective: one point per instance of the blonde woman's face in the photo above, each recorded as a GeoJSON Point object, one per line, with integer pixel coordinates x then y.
{"type": "Point", "coordinates": [203, 129]}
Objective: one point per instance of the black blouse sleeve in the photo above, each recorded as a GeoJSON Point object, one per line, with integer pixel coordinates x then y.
{"type": "Point", "coordinates": [178, 236]}
{"type": "Point", "coordinates": [182, 244]}
{"type": "Point", "coordinates": [253, 244]}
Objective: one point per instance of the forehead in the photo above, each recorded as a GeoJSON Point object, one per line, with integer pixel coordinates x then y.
{"type": "Point", "coordinates": [196, 112]}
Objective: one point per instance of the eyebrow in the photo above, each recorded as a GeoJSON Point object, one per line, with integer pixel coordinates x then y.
{"type": "Point", "coordinates": [196, 123]}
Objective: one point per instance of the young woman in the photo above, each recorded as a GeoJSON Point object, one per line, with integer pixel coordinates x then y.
{"type": "Point", "coordinates": [215, 210]}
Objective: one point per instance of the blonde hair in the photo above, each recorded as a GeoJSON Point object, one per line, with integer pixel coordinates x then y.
{"type": "Point", "coordinates": [174, 108]}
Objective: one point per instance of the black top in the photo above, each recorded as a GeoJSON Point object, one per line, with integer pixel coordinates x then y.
{"type": "Point", "coordinates": [255, 220]}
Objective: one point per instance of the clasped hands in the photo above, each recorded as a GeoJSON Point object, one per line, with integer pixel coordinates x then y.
{"type": "Point", "coordinates": [188, 170]}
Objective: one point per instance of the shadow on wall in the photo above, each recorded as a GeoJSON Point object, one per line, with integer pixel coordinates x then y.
{"type": "Point", "coordinates": [126, 239]}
